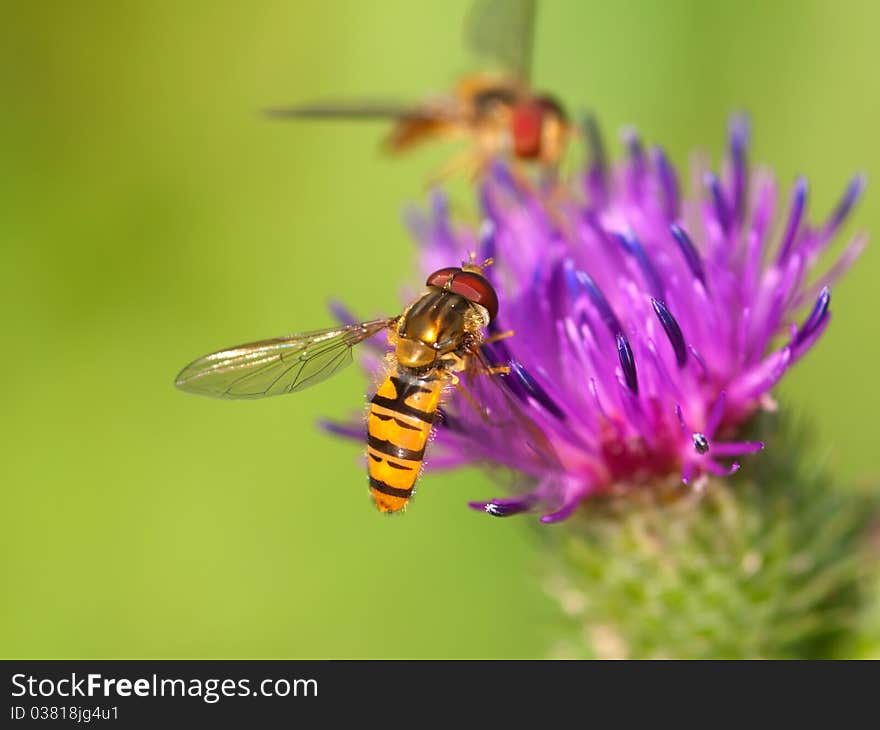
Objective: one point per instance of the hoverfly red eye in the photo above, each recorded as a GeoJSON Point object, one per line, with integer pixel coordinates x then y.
{"type": "Point", "coordinates": [525, 125]}
{"type": "Point", "coordinates": [476, 288]}
{"type": "Point", "coordinates": [469, 284]}
{"type": "Point", "coordinates": [528, 122]}
{"type": "Point", "coordinates": [441, 277]}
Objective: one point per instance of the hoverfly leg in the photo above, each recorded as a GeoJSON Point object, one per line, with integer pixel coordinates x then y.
{"type": "Point", "coordinates": [468, 396]}
{"type": "Point", "coordinates": [497, 370]}
{"type": "Point", "coordinates": [522, 180]}
{"type": "Point", "coordinates": [472, 262]}
{"type": "Point", "coordinates": [498, 336]}
{"type": "Point", "coordinates": [468, 163]}
{"type": "Point", "coordinates": [548, 176]}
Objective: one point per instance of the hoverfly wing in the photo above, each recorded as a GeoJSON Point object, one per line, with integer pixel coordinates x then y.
{"type": "Point", "coordinates": [412, 124]}
{"type": "Point", "coordinates": [502, 31]}
{"type": "Point", "coordinates": [277, 366]}
{"type": "Point", "coordinates": [365, 110]}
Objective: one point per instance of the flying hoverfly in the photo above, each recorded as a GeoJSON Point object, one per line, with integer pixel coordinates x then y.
{"type": "Point", "coordinates": [499, 113]}
{"type": "Point", "coordinates": [437, 335]}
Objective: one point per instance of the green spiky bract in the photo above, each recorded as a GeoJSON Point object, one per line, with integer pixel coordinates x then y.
{"type": "Point", "coordinates": [774, 562]}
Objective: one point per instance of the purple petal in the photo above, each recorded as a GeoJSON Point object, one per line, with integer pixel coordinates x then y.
{"type": "Point", "coordinates": [503, 507]}
{"type": "Point", "coordinates": [817, 316]}
{"type": "Point", "coordinates": [668, 183]}
{"type": "Point", "coordinates": [631, 244]}
{"type": "Point", "coordinates": [597, 168]}
{"type": "Point", "coordinates": [532, 389]}
{"type": "Point", "coordinates": [720, 470]}
{"type": "Point", "coordinates": [356, 431]}
{"type": "Point", "coordinates": [716, 414]}
{"type": "Point", "coordinates": [562, 513]}
{"type": "Point", "coordinates": [341, 313]}
{"type": "Point", "coordinates": [722, 212]}
{"type": "Point", "coordinates": [672, 330]}
{"type": "Point", "coordinates": [735, 448]}
{"type": "Point", "coordinates": [691, 257]}
{"type": "Point", "coordinates": [739, 140]}
{"type": "Point", "coordinates": [798, 201]}
{"type": "Point", "coordinates": [627, 363]}
{"type": "Point", "coordinates": [850, 197]}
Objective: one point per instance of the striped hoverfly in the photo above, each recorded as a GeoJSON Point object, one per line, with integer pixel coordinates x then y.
{"type": "Point", "coordinates": [437, 336]}
{"type": "Point", "coordinates": [500, 114]}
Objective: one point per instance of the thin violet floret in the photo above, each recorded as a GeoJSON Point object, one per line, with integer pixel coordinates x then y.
{"type": "Point", "coordinates": [649, 326]}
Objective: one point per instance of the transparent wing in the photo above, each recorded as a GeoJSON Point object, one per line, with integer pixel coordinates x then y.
{"type": "Point", "coordinates": [364, 110]}
{"type": "Point", "coordinates": [277, 366]}
{"type": "Point", "coordinates": [502, 32]}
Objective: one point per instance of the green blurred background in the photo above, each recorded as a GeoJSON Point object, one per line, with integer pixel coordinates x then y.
{"type": "Point", "coordinates": [148, 214]}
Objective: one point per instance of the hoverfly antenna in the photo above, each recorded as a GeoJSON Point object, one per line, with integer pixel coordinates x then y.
{"type": "Point", "coordinates": [472, 265]}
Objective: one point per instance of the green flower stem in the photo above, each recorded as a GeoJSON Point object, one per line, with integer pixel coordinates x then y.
{"type": "Point", "coordinates": [774, 562]}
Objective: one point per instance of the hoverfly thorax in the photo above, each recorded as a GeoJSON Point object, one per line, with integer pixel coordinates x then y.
{"type": "Point", "coordinates": [432, 327]}
{"type": "Point", "coordinates": [494, 99]}
{"type": "Point", "coordinates": [459, 302]}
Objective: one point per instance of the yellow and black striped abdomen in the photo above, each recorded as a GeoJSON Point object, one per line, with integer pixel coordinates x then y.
{"type": "Point", "coordinates": [401, 418]}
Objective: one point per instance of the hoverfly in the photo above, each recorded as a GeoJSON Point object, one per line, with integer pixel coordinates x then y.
{"type": "Point", "coordinates": [435, 337]}
{"type": "Point", "coordinates": [499, 113]}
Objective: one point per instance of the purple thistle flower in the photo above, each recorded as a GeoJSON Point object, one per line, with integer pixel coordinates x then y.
{"type": "Point", "coordinates": [649, 327]}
